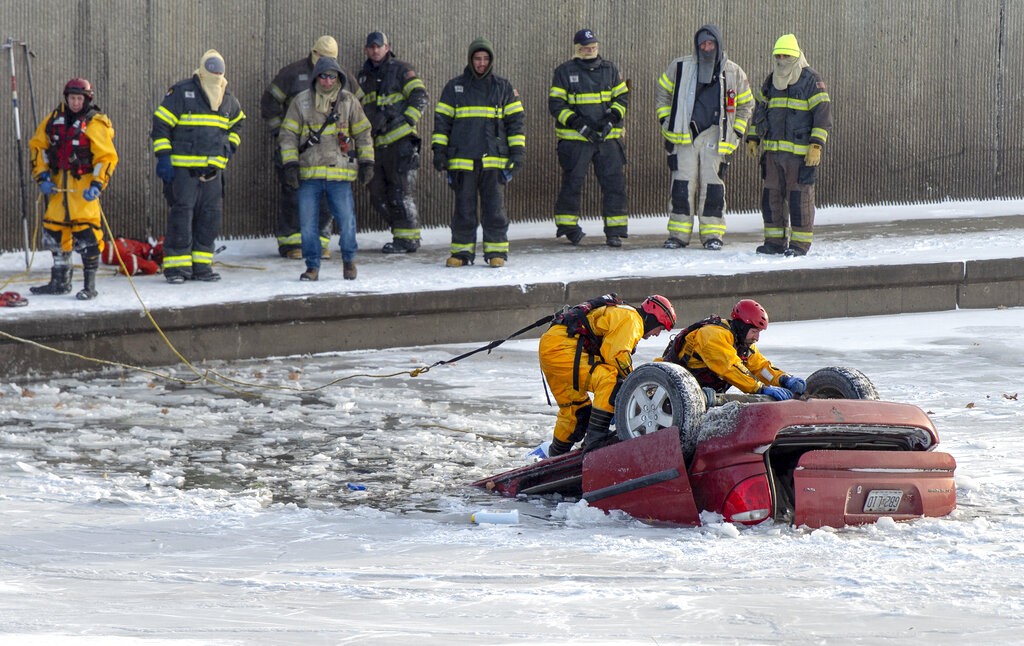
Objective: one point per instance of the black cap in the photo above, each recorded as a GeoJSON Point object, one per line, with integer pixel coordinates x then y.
{"type": "Point", "coordinates": [376, 38]}
{"type": "Point", "coordinates": [584, 37]}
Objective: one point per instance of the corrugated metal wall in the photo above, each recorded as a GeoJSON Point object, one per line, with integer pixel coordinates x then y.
{"type": "Point", "coordinates": [925, 91]}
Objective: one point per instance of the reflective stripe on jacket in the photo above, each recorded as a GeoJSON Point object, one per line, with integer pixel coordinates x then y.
{"type": "Point", "coordinates": [342, 146]}
{"type": "Point", "coordinates": [714, 347]}
{"type": "Point", "coordinates": [790, 120]}
{"type": "Point", "coordinates": [392, 90]}
{"type": "Point", "coordinates": [193, 133]}
{"type": "Point", "coordinates": [589, 88]}
{"type": "Point", "coordinates": [479, 119]}
{"type": "Point", "coordinates": [677, 88]}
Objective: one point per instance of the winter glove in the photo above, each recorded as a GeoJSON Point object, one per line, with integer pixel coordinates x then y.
{"type": "Point", "coordinates": [365, 173]}
{"type": "Point", "coordinates": [776, 393]}
{"type": "Point", "coordinates": [582, 126]}
{"type": "Point", "coordinates": [92, 192]}
{"type": "Point", "coordinates": [813, 156]}
{"type": "Point", "coordinates": [506, 173]}
{"type": "Point", "coordinates": [796, 384]}
{"type": "Point", "coordinates": [440, 158]}
{"type": "Point", "coordinates": [291, 176]}
{"type": "Point", "coordinates": [164, 169]}
{"type": "Point", "coordinates": [752, 145]}
{"type": "Point", "coordinates": [46, 187]}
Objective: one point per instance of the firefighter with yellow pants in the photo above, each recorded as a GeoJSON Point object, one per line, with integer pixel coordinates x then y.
{"type": "Point", "coordinates": [721, 354]}
{"type": "Point", "coordinates": [73, 157]}
{"type": "Point", "coordinates": [588, 349]}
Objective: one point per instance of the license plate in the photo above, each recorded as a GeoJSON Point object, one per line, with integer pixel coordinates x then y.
{"type": "Point", "coordinates": [882, 501]}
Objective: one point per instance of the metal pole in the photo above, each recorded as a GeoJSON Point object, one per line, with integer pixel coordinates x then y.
{"type": "Point", "coordinates": [9, 46]}
{"type": "Point", "coordinates": [29, 55]}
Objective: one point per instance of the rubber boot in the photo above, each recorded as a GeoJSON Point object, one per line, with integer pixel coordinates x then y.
{"type": "Point", "coordinates": [598, 434]}
{"type": "Point", "coordinates": [60, 277]}
{"type": "Point", "coordinates": [558, 447]}
{"type": "Point", "coordinates": [89, 267]}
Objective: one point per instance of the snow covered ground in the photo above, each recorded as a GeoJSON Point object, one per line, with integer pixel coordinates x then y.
{"type": "Point", "coordinates": [334, 507]}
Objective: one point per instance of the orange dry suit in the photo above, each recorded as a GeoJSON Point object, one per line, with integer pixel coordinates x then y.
{"type": "Point", "coordinates": [718, 361]}
{"type": "Point", "coordinates": [575, 365]}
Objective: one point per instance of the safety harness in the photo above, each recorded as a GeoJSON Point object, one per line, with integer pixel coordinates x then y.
{"type": "Point", "coordinates": [705, 376]}
{"type": "Point", "coordinates": [69, 144]}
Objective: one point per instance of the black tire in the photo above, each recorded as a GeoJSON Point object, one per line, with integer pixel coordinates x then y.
{"type": "Point", "coordinates": [655, 396]}
{"type": "Point", "coordinates": [840, 383]}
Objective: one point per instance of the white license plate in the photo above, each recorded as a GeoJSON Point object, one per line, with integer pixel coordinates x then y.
{"type": "Point", "coordinates": [882, 501]}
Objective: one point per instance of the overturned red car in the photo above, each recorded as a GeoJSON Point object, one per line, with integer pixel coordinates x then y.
{"type": "Point", "coordinates": [837, 456]}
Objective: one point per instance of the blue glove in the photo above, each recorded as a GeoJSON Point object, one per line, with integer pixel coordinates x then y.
{"type": "Point", "coordinates": [164, 169]}
{"type": "Point", "coordinates": [796, 384]}
{"type": "Point", "coordinates": [776, 393]}
{"type": "Point", "coordinates": [92, 192]}
{"type": "Point", "coordinates": [46, 187]}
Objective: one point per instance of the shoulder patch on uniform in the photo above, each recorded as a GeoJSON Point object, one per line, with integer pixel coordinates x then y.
{"type": "Point", "coordinates": [821, 85]}
{"type": "Point", "coordinates": [410, 75]}
{"type": "Point", "coordinates": [170, 91]}
{"type": "Point", "coordinates": [515, 93]}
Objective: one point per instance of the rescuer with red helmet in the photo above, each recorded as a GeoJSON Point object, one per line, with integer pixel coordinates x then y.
{"type": "Point", "coordinates": [588, 349]}
{"type": "Point", "coordinates": [73, 158]}
{"type": "Point", "coordinates": [721, 354]}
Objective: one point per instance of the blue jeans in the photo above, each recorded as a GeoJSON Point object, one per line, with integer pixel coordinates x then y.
{"type": "Point", "coordinates": [339, 200]}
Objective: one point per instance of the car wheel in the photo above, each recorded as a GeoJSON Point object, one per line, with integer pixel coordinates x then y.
{"type": "Point", "coordinates": [840, 383]}
{"type": "Point", "coordinates": [655, 396]}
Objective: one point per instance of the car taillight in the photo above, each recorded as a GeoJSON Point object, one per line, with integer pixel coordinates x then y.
{"type": "Point", "coordinates": [749, 502]}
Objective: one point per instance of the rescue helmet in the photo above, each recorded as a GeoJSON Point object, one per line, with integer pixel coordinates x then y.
{"type": "Point", "coordinates": [751, 313]}
{"type": "Point", "coordinates": [661, 309]}
{"type": "Point", "coordinates": [78, 86]}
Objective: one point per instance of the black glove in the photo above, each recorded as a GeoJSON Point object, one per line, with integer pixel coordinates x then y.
{"type": "Point", "coordinates": [440, 158]}
{"type": "Point", "coordinates": [291, 176]}
{"type": "Point", "coordinates": [582, 126]}
{"type": "Point", "coordinates": [365, 172]}
{"type": "Point", "coordinates": [378, 123]}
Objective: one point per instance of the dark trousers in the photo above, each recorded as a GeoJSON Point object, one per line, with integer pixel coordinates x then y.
{"type": "Point", "coordinates": [287, 229]}
{"type": "Point", "coordinates": [483, 187]}
{"type": "Point", "coordinates": [609, 161]}
{"type": "Point", "coordinates": [194, 220]}
{"type": "Point", "coordinates": [393, 186]}
{"type": "Point", "coordinates": [787, 183]}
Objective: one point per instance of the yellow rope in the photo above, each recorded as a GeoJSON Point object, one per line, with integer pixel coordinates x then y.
{"type": "Point", "coordinates": [205, 376]}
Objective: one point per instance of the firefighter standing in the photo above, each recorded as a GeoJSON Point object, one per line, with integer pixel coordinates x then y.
{"type": "Point", "coordinates": [595, 360]}
{"type": "Point", "coordinates": [290, 80]}
{"type": "Point", "coordinates": [73, 158]}
{"type": "Point", "coordinates": [588, 100]}
{"type": "Point", "coordinates": [792, 121]}
{"type": "Point", "coordinates": [479, 141]}
{"type": "Point", "coordinates": [195, 133]}
{"type": "Point", "coordinates": [704, 106]}
{"type": "Point", "coordinates": [721, 354]}
{"type": "Point", "coordinates": [394, 99]}
{"type": "Point", "coordinates": [325, 146]}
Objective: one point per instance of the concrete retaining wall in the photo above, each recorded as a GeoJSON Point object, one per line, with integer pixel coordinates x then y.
{"type": "Point", "coordinates": [338, 323]}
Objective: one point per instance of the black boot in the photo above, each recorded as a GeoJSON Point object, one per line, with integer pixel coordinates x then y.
{"type": "Point", "coordinates": [89, 267]}
{"type": "Point", "coordinates": [558, 447]}
{"type": "Point", "coordinates": [598, 434]}
{"type": "Point", "coordinates": [60, 277]}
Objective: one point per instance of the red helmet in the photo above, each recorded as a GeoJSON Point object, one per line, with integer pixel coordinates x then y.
{"type": "Point", "coordinates": [78, 86]}
{"type": "Point", "coordinates": [661, 309]}
{"type": "Point", "coordinates": [751, 313]}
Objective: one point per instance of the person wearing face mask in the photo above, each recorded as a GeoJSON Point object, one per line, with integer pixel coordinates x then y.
{"type": "Point", "coordinates": [588, 100]}
{"type": "Point", "coordinates": [73, 157]}
{"type": "Point", "coordinates": [791, 124]}
{"type": "Point", "coordinates": [478, 142]}
{"type": "Point", "coordinates": [289, 81]}
{"type": "Point", "coordinates": [704, 105]}
{"type": "Point", "coordinates": [325, 146]}
{"type": "Point", "coordinates": [195, 132]}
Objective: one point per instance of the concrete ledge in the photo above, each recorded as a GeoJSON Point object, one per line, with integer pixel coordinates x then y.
{"type": "Point", "coordinates": [288, 326]}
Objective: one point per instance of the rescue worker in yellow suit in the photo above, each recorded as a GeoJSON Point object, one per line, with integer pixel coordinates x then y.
{"type": "Point", "coordinates": [721, 354]}
{"type": "Point", "coordinates": [595, 361]}
{"type": "Point", "coordinates": [73, 157]}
